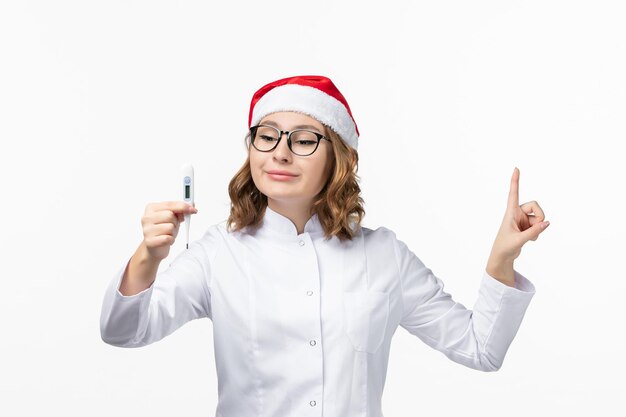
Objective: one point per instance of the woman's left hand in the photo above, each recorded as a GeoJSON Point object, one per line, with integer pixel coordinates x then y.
{"type": "Point", "coordinates": [521, 223]}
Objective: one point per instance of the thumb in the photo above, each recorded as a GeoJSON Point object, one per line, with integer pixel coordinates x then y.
{"type": "Point", "coordinates": [533, 232]}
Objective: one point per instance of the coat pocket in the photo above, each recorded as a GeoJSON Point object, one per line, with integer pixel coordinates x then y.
{"type": "Point", "coordinates": [365, 318]}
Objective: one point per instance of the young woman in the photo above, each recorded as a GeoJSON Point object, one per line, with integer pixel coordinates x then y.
{"type": "Point", "coordinates": [303, 300]}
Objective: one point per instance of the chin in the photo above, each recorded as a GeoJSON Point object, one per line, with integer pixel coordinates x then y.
{"type": "Point", "coordinates": [284, 195]}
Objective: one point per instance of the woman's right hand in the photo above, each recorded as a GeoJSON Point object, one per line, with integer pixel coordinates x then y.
{"type": "Point", "coordinates": [160, 224]}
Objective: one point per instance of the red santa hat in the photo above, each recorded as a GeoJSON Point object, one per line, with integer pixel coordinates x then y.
{"type": "Point", "coordinates": [313, 95]}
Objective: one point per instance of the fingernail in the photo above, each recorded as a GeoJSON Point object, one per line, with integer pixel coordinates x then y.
{"type": "Point", "coordinates": [545, 224]}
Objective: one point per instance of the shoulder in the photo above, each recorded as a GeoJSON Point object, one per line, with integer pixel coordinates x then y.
{"type": "Point", "coordinates": [381, 240]}
{"type": "Point", "coordinates": [380, 233]}
{"type": "Point", "coordinates": [213, 239]}
{"type": "Point", "coordinates": [387, 242]}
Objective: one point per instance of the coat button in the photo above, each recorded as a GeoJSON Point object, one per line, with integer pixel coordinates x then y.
{"type": "Point", "coordinates": [312, 403]}
{"type": "Point", "coordinates": [312, 342]}
{"type": "Point", "coordinates": [309, 293]}
{"type": "Point", "coordinates": [301, 243]}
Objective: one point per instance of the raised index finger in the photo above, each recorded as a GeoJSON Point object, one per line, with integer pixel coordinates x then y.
{"type": "Point", "coordinates": [514, 191]}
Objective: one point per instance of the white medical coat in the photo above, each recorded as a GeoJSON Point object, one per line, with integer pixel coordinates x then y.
{"type": "Point", "coordinates": [302, 326]}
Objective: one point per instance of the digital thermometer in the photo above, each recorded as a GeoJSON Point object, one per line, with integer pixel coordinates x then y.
{"type": "Point", "coordinates": [187, 177]}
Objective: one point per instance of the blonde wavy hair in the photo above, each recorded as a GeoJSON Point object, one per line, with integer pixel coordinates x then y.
{"type": "Point", "coordinates": [338, 204]}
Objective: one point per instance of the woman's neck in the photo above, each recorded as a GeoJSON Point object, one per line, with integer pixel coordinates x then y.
{"type": "Point", "coordinates": [299, 214]}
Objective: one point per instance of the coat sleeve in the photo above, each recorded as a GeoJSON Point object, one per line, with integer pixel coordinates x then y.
{"type": "Point", "coordinates": [478, 338]}
{"type": "Point", "coordinates": [179, 294]}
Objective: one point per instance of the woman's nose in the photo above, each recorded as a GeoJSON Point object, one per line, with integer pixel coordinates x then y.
{"type": "Point", "coordinates": [281, 151]}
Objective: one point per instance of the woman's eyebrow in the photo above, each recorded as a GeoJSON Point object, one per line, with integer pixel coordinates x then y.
{"type": "Point", "coordinates": [269, 122]}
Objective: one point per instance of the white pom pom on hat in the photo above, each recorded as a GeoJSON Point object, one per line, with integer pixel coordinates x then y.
{"type": "Point", "coordinates": [313, 95]}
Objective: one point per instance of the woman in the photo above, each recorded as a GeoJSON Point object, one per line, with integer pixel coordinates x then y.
{"type": "Point", "coordinates": [304, 301]}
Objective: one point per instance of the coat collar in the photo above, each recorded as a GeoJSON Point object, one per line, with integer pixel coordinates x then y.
{"type": "Point", "coordinates": [278, 223]}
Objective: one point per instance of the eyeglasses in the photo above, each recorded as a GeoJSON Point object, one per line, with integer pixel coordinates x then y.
{"type": "Point", "coordinates": [301, 142]}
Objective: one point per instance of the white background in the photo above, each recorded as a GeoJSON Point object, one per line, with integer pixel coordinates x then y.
{"type": "Point", "coordinates": [102, 102]}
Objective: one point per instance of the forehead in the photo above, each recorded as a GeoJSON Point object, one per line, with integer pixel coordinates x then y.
{"type": "Point", "coordinates": [292, 120]}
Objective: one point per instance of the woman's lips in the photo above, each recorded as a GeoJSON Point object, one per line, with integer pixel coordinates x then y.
{"type": "Point", "coordinates": [280, 177]}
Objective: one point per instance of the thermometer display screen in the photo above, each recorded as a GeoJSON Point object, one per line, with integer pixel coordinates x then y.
{"type": "Point", "coordinates": [187, 191]}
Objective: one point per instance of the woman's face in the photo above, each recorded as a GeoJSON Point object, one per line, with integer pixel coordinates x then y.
{"type": "Point", "coordinates": [309, 173]}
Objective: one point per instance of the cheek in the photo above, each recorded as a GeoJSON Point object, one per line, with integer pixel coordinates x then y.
{"type": "Point", "coordinates": [254, 168]}
{"type": "Point", "coordinates": [323, 170]}
{"type": "Point", "coordinates": [255, 163]}
{"type": "Point", "coordinates": [256, 171]}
